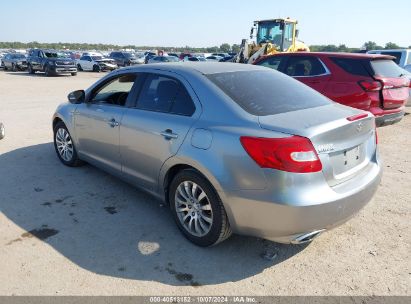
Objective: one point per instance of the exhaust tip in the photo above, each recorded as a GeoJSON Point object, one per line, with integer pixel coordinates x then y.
{"type": "Point", "coordinates": [306, 237]}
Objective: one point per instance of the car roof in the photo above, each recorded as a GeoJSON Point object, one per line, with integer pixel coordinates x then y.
{"type": "Point", "coordinates": [205, 68]}
{"type": "Point", "coordinates": [391, 50]}
{"type": "Point", "coordinates": [335, 54]}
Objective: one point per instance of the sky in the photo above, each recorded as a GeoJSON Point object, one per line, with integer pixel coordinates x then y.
{"type": "Point", "coordinates": [202, 23]}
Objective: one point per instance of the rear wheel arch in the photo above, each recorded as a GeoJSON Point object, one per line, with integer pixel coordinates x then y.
{"type": "Point", "coordinates": [172, 172]}
{"type": "Point", "coordinates": [176, 168]}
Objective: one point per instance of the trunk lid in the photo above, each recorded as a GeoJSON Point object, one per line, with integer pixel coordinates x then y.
{"type": "Point", "coordinates": [344, 147]}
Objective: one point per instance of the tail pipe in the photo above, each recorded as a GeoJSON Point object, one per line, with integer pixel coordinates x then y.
{"type": "Point", "coordinates": [306, 237]}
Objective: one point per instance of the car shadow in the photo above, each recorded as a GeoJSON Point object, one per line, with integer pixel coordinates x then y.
{"type": "Point", "coordinates": [108, 227]}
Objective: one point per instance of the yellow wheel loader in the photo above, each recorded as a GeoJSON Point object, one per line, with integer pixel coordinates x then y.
{"type": "Point", "coordinates": [272, 36]}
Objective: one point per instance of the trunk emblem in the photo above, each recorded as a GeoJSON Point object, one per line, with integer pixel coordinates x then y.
{"type": "Point", "coordinates": [359, 127]}
{"type": "Point", "coordinates": [325, 148]}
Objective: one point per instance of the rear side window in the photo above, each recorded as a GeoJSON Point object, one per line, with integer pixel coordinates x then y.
{"type": "Point", "coordinates": [268, 92]}
{"type": "Point", "coordinates": [300, 66]}
{"type": "Point", "coordinates": [352, 66]}
{"type": "Point", "coordinates": [386, 68]}
{"type": "Point", "coordinates": [166, 95]}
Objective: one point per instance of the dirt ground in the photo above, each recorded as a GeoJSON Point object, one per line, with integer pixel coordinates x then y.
{"type": "Point", "coordinates": [82, 232]}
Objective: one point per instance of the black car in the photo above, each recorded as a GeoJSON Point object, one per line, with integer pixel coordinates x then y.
{"type": "Point", "coordinates": [50, 62]}
{"type": "Point", "coordinates": [123, 59]}
{"type": "Point", "coordinates": [148, 56]}
{"type": "Point", "coordinates": [14, 62]}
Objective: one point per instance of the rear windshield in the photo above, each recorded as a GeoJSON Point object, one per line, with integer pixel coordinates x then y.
{"type": "Point", "coordinates": [268, 92]}
{"type": "Point", "coordinates": [386, 68]}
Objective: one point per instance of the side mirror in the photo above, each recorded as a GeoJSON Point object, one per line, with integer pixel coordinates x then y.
{"type": "Point", "coordinates": [252, 33]}
{"type": "Point", "coordinates": [77, 97]}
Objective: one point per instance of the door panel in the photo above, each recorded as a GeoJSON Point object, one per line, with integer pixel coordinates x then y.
{"type": "Point", "coordinates": [154, 130]}
{"type": "Point", "coordinates": [318, 83]}
{"type": "Point", "coordinates": [97, 130]}
{"type": "Point", "coordinates": [97, 122]}
{"type": "Point", "coordinates": [145, 144]}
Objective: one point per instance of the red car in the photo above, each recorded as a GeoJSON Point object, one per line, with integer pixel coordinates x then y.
{"type": "Point", "coordinates": [369, 82]}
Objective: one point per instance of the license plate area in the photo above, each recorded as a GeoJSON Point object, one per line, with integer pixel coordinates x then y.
{"type": "Point", "coordinates": [346, 160]}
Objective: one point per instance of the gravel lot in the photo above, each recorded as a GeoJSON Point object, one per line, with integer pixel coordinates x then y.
{"type": "Point", "coordinates": [80, 231]}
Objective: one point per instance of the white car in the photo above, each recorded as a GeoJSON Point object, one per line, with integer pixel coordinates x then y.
{"type": "Point", "coordinates": [95, 63]}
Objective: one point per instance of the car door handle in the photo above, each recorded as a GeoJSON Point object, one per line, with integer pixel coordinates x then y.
{"type": "Point", "coordinates": [168, 134]}
{"type": "Point", "coordinates": [113, 123]}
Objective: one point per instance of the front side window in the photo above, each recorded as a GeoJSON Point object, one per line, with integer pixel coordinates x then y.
{"type": "Point", "coordinates": [166, 95]}
{"type": "Point", "coordinates": [300, 66]}
{"type": "Point", "coordinates": [115, 91]}
{"type": "Point", "coordinates": [272, 62]}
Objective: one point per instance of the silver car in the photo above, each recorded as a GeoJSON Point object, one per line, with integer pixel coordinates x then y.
{"type": "Point", "coordinates": [230, 147]}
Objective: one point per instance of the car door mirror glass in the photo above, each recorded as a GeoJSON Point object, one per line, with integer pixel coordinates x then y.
{"type": "Point", "coordinates": [76, 97]}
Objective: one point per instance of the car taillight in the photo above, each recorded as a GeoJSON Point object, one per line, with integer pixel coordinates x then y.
{"type": "Point", "coordinates": [369, 85]}
{"type": "Point", "coordinates": [292, 154]}
{"type": "Point", "coordinates": [376, 137]}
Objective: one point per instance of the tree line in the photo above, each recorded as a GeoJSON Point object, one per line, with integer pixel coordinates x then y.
{"type": "Point", "coordinates": [225, 47]}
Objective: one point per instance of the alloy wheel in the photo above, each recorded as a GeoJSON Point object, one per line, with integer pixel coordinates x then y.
{"type": "Point", "coordinates": [193, 208]}
{"type": "Point", "coordinates": [64, 144]}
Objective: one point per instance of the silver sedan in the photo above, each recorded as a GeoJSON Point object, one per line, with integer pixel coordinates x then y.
{"type": "Point", "coordinates": [229, 147]}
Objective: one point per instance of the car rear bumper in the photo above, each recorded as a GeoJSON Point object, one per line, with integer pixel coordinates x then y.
{"type": "Point", "coordinates": [297, 214]}
{"type": "Point", "coordinates": [389, 119]}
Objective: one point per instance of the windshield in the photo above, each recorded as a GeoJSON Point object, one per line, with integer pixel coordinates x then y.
{"type": "Point", "coordinates": [54, 55]}
{"type": "Point", "coordinates": [97, 58]}
{"type": "Point", "coordinates": [268, 92]}
{"type": "Point", "coordinates": [270, 32]}
{"type": "Point", "coordinates": [128, 55]}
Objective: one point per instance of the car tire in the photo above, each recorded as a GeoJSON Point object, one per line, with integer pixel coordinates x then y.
{"type": "Point", "coordinates": [5, 68]}
{"type": "Point", "coordinates": [64, 146]}
{"type": "Point", "coordinates": [96, 68]}
{"type": "Point", "coordinates": [2, 131]}
{"type": "Point", "coordinates": [79, 67]}
{"type": "Point", "coordinates": [73, 74]}
{"type": "Point", "coordinates": [47, 71]}
{"type": "Point", "coordinates": [31, 70]}
{"type": "Point", "coordinates": [197, 209]}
